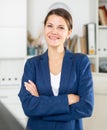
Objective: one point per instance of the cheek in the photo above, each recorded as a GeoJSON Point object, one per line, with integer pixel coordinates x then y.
{"type": "Point", "coordinates": [46, 32]}
{"type": "Point", "coordinates": [46, 36]}
{"type": "Point", "coordinates": [64, 36]}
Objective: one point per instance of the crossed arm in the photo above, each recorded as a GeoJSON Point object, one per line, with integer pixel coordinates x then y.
{"type": "Point", "coordinates": [31, 87]}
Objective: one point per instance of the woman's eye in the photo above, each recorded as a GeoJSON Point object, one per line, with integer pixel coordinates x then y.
{"type": "Point", "coordinates": [49, 26]}
{"type": "Point", "coordinates": [61, 27]}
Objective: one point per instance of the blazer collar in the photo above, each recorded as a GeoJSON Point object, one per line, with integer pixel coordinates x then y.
{"type": "Point", "coordinates": [65, 73]}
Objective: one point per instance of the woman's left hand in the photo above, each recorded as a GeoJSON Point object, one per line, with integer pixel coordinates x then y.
{"type": "Point", "coordinates": [31, 87]}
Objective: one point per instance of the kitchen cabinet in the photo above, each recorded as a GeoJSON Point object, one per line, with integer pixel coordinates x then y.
{"type": "Point", "coordinates": [10, 79]}
{"type": "Point", "coordinates": [13, 13]}
{"type": "Point", "coordinates": [99, 117]}
{"type": "Point", "coordinates": [12, 42]}
{"type": "Point", "coordinates": [13, 23]}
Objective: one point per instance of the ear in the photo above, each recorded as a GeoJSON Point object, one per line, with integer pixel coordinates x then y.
{"type": "Point", "coordinates": [69, 33]}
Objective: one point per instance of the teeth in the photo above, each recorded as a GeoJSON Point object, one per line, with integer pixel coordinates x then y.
{"type": "Point", "coordinates": [53, 38]}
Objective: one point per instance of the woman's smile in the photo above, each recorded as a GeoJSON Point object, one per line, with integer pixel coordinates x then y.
{"type": "Point", "coordinates": [53, 37]}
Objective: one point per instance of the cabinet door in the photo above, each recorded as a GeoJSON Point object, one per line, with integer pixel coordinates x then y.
{"type": "Point", "coordinates": [12, 42]}
{"type": "Point", "coordinates": [98, 121]}
{"type": "Point", "coordinates": [13, 12]}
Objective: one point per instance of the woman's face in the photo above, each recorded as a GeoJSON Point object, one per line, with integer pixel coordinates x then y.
{"type": "Point", "coordinates": [56, 31]}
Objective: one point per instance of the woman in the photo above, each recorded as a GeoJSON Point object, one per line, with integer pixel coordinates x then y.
{"type": "Point", "coordinates": [57, 86]}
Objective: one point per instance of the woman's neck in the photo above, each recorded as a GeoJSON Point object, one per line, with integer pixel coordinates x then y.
{"type": "Point", "coordinates": [55, 60]}
{"type": "Point", "coordinates": [56, 53]}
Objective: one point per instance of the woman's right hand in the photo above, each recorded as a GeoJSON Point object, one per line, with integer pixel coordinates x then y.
{"type": "Point", "coordinates": [72, 98]}
{"type": "Point", "coordinates": [31, 87]}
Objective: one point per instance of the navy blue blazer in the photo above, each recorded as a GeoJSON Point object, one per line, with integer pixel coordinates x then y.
{"type": "Point", "coordinates": [49, 112]}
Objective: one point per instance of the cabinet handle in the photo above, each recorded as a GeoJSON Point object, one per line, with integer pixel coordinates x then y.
{"type": "Point", "coordinates": [3, 97]}
{"type": "Point", "coordinates": [104, 49]}
{"type": "Point", "coordinates": [99, 49]}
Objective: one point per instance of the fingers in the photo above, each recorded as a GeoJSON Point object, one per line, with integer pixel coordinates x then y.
{"type": "Point", "coordinates": [31, 87]}
{"type": "Point", "coordinates": [72, 98]}
{"type": "Point", "coordinates": [28, 88]}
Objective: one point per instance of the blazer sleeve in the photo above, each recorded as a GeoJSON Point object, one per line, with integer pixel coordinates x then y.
{"type": "Point", "coordinates": [42, 105]}
{"type": "Point", "coordinates": [84, 107]}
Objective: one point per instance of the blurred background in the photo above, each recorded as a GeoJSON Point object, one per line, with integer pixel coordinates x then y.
{"type": "Point", "coordinates": [21, 37]}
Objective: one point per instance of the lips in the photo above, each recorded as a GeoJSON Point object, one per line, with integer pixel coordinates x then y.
{"type": "Point", "coordinates": [53, 37]}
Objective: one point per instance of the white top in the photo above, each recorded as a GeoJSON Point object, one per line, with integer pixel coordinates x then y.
{"type": "Point", "coordinates": [55, 83]}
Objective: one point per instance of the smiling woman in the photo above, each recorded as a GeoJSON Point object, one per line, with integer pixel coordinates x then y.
{"type": "Point", "coordinates": [57, 86]}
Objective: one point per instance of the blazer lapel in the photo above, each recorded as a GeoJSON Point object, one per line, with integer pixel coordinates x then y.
{"type": "Point", "coordinates": [46, 73]}
{"type": "Point", "coordinates": [66, 72]}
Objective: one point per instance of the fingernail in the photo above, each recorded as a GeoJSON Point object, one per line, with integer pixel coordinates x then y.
{"type": "Point", "coordinates": [25, 83]}
{"type": "Point", "coordinates": [29, 80]}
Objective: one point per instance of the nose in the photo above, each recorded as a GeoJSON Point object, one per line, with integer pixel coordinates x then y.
{"type": "Point", "coordinates": [54, 30]}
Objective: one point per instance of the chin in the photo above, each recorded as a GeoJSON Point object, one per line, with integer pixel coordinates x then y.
{"type": "Point", "coordinates": [54, 45]}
